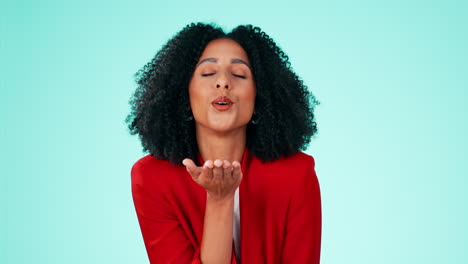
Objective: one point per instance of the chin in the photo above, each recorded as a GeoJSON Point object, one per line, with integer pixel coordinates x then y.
{"type": "Point", "coordinates": [222, 125]}
{"type": "Point", "coordinates": [223, 128]}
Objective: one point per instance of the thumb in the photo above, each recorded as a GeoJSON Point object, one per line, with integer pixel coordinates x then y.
{"type": "Point", "coordinates": [191, 168]}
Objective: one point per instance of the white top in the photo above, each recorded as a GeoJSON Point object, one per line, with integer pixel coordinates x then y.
{"type": "Point", "coordinates": [236, 226]}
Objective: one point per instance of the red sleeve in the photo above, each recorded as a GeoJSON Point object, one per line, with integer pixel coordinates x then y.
{"type": "Point", "coordinates": [303, 229]}
{"type": "Point", "coordinates": [164, 237]}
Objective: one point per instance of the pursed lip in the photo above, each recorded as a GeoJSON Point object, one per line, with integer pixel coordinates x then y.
{"type": "Point", "coordinates": [222, 99]}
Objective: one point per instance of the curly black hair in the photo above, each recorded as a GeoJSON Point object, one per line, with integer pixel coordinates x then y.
{"type": "Point", "coordinates": [284, 107]}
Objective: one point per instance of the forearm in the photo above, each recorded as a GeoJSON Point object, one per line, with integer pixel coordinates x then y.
{"type": "Point", "coordinates": [216, 244]}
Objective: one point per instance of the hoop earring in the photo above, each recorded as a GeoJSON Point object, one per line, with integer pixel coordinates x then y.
{"type": "Point", "coordinates": [190, 118]}
{"type": "Point", "coordinates": [254, 120]}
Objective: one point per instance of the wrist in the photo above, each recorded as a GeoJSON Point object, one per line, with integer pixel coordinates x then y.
{"type": "Point", "coordinates": [220, 200]}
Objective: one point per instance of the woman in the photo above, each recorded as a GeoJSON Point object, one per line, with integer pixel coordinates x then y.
{"type": "Point", "coordinates": [225, 117]}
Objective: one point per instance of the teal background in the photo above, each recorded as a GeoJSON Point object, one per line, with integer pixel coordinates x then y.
{"type": "Point", "coordinates": [391, 77]}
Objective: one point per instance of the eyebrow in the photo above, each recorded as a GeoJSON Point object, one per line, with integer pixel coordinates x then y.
{"type": "Point", "coordinates": [240, 61]}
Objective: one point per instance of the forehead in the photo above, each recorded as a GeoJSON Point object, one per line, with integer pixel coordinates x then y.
{"type": "Point", "coordinates": [224, 48]}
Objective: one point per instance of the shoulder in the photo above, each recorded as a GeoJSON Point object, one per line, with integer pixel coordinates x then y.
{"type": "Point", "coordinates": [300, 159]}
{"type": "Point", "coordinates": [150, 169]}
{"type": "Point", "coordinates": [302, 176]}
{"type": "Point", "coordinates": [286, 173]}
{"type": "Point", "coordinates": [298, 163]}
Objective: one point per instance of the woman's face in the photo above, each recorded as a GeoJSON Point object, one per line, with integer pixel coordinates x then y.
{"type": "Point", "coordinates": [223, 71]}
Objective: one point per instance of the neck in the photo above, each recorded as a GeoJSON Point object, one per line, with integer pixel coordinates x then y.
{"type": "Point", "coordinates": [228, 146]}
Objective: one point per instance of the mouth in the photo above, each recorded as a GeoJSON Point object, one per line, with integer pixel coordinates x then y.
{"type": "Point", "coordinates": [222, 103]}
{"type": "Point", "coordinates": [225, 99]}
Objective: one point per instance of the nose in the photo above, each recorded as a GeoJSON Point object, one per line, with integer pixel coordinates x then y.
{"type": "Point", "coordinates": [222, 82]}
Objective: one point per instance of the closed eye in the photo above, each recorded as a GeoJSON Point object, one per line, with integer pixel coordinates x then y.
{"type": "Point", "coordinates": [240, 76]}
{"type": "Point", "coordinates": [209, 74]}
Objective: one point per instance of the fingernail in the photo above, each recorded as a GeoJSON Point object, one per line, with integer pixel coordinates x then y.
{"type": "Point", "coordinates": [207, 164]}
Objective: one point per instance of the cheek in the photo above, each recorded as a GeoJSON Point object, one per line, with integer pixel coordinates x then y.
{"type": "Point", "coordinates": [194, 90]}
{"type": "Point", "coordinates": [248, 95]}
{"type": "Point", "coordinates": [198, 95]}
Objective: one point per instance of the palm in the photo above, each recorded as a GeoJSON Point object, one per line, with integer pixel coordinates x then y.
{"type": "Point", "coordinates": [219, 178]}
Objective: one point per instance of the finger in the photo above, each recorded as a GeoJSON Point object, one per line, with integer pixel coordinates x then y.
{"type": "Point", "coordinates": [208, 170]}
{"type": "Point", "coordinates": [236, 173]}
{"type": "Point", "coordinates": [227, 168]}
{"type": "Point", "coordinates": [189, 163]}
{"type": "Point", "coordinates": [191, 168]}
{"type": "Point", "coordinates": [218, 174]}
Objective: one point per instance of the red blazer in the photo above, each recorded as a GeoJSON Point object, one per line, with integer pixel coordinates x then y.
{"type": "Point", "coordinates": [280, 210]}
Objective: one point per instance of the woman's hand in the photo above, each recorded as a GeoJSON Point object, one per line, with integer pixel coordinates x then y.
{"type": "Point", "coordinates": [220, 178]}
